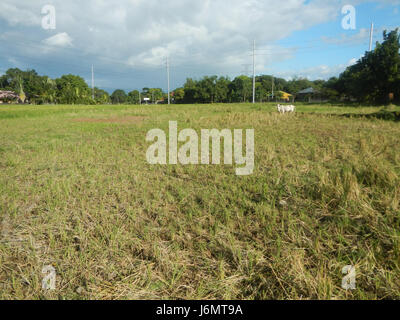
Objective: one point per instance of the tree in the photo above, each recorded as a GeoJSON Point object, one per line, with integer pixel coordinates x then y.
{"type": "Point", "coordinates": [73, 90]}
{"type": "Point", "coordinates": [119, 97]}
{"type": "Point", "coordinates": [222, 89]}
{"type": "Point", "coordinates": [155, 94]}
{"type": "Point", "coordinates": [179, 95]}
{"type": "Point", "coordinates": [190, 88]}
{"type": "Point", "coordinates": [145, 93]}
{"type": "Point", "coordinates": [27, 84]}
{"type": "Point", "coordinates": [134, 97]}
{"type": "Point", "coordinates": [377, 75]}
{"type": "Point", "coordinates": [101, 96]}
{"type": "Point", "coordinates": [207, 89]}
{"type": "Point", "coordinates": [48, 92]}
{"type": "Point", "coordinates": [261, 92]}
{"type": "Point", "coordinates": [297, 84]}
{"type": "Point", "coordinates": [3, 82]}
{"type": "Point", "coordinates": [331, 89]}
{"type": "Point", "coordinates": [241, 89]}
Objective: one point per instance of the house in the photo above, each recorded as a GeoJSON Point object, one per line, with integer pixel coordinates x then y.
{"type": "Point", "coordinates": [280, 96]}
{"type": "Point", "coordinates": [309, 95]}
{"type": "Point", "coordinates": [8, 96]}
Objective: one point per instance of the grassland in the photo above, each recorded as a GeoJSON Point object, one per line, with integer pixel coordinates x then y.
{"type": "Point", "coordinates": [77, 193]}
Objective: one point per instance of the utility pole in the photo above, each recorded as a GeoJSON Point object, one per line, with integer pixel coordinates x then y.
{"type": "Point", "coordinates": [371, 34]}
{"type": "Point", "coordinates": [169, 98]}
{"type": "Point", "coordinates": [140, 98]}
{"type": "Point", "coordinates": [92, 82]}
{"type": "Point", "coordinates": [273, 87]}
{"type": "Point", "coordinates": [254, 71]}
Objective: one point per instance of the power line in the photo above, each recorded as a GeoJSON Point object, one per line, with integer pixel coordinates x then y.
{"type": "Point", "coordinates": [254, 71]}
{"type": "Point", "coordinates": [169, 98]}
{"type": "Point", "coordinates": [92, 82]}
{"type": "Point", "coordinates": [273, 87]}
{"type": "Point", "coordinates": [310, 50]}
{"type": "Point", "coordinates": [246, 70]}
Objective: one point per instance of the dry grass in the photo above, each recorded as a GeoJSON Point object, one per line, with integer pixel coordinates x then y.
{"type": "Point", "coordinates": [77, 193]}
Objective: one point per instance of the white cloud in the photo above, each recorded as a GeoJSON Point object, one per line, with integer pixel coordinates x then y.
{"type": "Point", "coordinates": [317, 72]}
{"type": "Point", "coordinates": [17, 15]}
{"type": "Point", "coordinates": [352, 61]}
{"type": "Point", "coordinates": [200, 36]}
{"type": "Point", "coordinates": [59, 40]}
{"type": "Point", "coordinates": [347, 39]}
{"type": "Point", "coordinates": [140, 32]}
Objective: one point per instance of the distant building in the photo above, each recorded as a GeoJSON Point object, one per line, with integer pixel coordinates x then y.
{"type": "Point", "coordinates": [8, 96]}
{"type": "Point", "coordinates": [309, 95]}
{"type": "Point", "coordinates": [307, 91]}
{"type": "Point", "coordinates": [282, 95]}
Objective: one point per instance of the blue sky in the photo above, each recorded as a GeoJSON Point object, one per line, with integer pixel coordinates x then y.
{"type": "Point", "coordinates": [318, 48]}
{"type": "Point", "coordinates": [128, 41]}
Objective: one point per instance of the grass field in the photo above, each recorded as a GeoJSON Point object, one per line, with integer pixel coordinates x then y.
{"type": "Point", "coordinates": [77, 193]}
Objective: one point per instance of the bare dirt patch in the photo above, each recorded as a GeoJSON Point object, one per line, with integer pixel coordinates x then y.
{"type": "Point", "coordinates": [124, 120]}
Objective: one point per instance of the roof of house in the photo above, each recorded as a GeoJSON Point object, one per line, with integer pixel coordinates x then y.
{"type": "Point", "coordinates": [308, 90]}
{"type": "Point", "coordinates": [8, 95]}
{"type": "Point", "coordinates": [285, 93]}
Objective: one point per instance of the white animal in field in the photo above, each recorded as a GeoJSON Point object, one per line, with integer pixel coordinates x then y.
{"type": "Point", "coordinates": [290, 108]}
{"type": "Point", "coordinates": [286, 109]}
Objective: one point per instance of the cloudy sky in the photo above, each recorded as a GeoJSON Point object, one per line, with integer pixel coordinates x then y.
{"type": "Point", "coordinates": [128, 41]}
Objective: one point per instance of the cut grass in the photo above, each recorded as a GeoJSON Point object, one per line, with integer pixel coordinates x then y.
{"type": "Point", "coordinates": [79, 195]}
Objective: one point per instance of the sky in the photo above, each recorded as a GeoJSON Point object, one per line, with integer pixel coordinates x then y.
{"type": "Point", "coordinates": [128, 41]}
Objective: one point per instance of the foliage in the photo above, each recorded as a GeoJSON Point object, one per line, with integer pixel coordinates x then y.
{"type": "Point", "coordinates": [134, 97]}
{"type": "Point", "coordinates": [119, 97]}
{"type": "Point", "coordinates": [101, 96]}
{"type": "Point", "coordinates": [376, 75]}
{"type": "Point", "coordinates": [73, 89]}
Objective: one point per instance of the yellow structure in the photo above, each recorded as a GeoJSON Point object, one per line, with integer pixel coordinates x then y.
{"type": "Point", "coordinates": [284, 95]}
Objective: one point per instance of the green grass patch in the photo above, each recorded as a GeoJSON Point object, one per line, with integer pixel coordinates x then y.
{"type": "Point", "coordinates": [77, 193]}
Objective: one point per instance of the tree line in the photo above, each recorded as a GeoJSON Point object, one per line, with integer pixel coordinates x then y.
{"type": "Point", "coordinates": [73, 89]}
{"type": "Point", "coordinates": [374, 79]}
{"type": "Point", "coordinates": [69, 89]}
